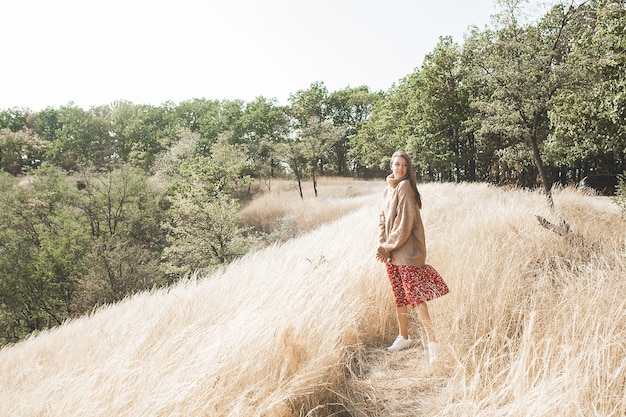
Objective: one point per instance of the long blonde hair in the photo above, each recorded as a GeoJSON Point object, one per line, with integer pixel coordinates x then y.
{"type": "Point", "coordinates": [410, 175]}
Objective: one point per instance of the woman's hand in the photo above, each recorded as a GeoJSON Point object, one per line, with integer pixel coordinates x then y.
{"type": "Point", "coordinates": [382, 255]}
{"type": "Point", "coordinates": [382, 259]}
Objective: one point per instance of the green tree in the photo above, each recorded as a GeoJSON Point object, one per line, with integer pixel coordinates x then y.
{"type": "Point", "coordinates": [588, 113]}
{"type": "Point", "coordinates": [84, 138]}
{"type": "Point", "coordinates": [384, 131]}
{"type": "Point", "coordinates": [203, 226]}
{"type": "Point", "coordinates": [201, 116]}
{"type": "Point", "coordinates": [317, 138]}
{"type": "Point", "coordinates": [46, 124]}
{"type": "Point", "coordinates": [204, 231]}
{"type": "Point", "coordinates": [264, 124]}
{"type": "Point", "coordinates": [42, 248]}
{"type": "Point", "coordinates": [183, 167]}
{"type": "Point", "coordinates": [293, 152]}
{"type": "Point", "coordinates": [124, 216]}
{"type": "Point", "coordinates": [515, 65]}
{"type": "Point", "coordinates": [20, 151]}
{"type": "Point", "coordinates": [210, 119]}
{"type": "Point", "coordinates": [437, 117]}
{"type": "Point", "coordinates": [310, 104]}
{"type": "Point", "coordinates": [302, 149]}
{"type": "Point", "coordinates": [140, 132]}
{"type": "Point", "coordinates": [168, 164]}
{"type": "Point", "coordinates": [14, 119]}
{"type": "Point", "coordinates": [349, 108]}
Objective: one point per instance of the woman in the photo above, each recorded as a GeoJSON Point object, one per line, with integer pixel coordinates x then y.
{"type": "Point", "coordinates": [403, 250]}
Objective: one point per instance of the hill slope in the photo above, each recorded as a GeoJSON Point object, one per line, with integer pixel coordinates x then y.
{"type": "Point", "coordinates": [534, 325]}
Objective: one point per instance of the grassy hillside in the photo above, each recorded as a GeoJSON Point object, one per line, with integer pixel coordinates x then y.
{"type": "Point", "coordinates": [535, 324]}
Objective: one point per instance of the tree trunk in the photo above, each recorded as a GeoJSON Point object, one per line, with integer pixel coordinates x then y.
{"type": "Point", "coordinates": [297, 172]}
{"type": "Point", "coordinates": [547, 184]}
{"type": "Point", "coordinates": [314, 182]}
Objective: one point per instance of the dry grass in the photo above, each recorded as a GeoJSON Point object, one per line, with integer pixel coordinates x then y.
{"type": "Point", "coordinates": [535, 325]}
{"type": "Point", "coordinates": [281, 206]}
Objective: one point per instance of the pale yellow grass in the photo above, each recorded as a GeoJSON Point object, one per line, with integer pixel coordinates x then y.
{"type": "Point", "coordinates": [535, 325]}
{"type": "Point", "coordinates": [336, 197]}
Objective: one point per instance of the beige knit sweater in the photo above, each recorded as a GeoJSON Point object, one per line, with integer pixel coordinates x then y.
{"type": "Point", "coordinates": [401, 233]}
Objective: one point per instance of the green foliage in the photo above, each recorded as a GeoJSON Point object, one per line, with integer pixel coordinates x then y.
{"type": "Point", "coordinates": [379, 136]}
{"type": "Point", "coordinates": [437, 116]}
{"type": "Point", "coordinates": [114, 202]}
{"type": "Point", "coordinates": [46, 123]}
{"type": "Point", "coordinates": [124, 215]}
{"type": "Point", "coordinates": [14, 119]}
{"type": "Point", "coordinates": [204, 231]}
{"type": "Point", "coordinates": [264, 124]}
{"type": "Point", "coordinates": [82, 139]}
{"type": "Point", "coordinates": [348, 108]}
{"type": "Point", "coordinates": [203, 224]}
{"type": "Point", "coordinates": [20, 151]}
{"type": "Point", "coordinates": [184, 168]}
{"type": "Point", "coordinates": [309, 104]}
{"type": "Point", "coordinates": [588, 116]}
{"type": "Point", "coordinates": [168, 164]}
{"type": "Point", "coordinates": [65, 249]}
{"type": "Point", "coordinates": [42, 245]}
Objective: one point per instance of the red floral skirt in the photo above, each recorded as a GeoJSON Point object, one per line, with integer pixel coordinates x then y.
{"type": "Point", "coordinates": [412, 285]}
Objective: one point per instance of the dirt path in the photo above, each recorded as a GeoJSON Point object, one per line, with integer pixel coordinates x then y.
{"type": "Point", "coordinates": [401, 384]}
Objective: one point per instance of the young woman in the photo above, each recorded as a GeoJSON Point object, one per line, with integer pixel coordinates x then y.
{"type": "Point", "coordinates": [403, 250]}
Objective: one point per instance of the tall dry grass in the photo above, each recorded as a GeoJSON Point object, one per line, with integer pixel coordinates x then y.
{"type": "Point", "coordinates": [281, 211]}
{"type": "Point", "coordinates": [535, 325]}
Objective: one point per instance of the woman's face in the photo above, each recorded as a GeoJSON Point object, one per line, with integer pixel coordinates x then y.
{"type": "Point", "coordinates": [399, 167]}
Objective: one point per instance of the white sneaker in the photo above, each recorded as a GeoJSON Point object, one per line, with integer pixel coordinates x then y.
{"type": "Point", "coordinates": [400, 343]}
{"type": "Point", "coordinates": [432, 352]}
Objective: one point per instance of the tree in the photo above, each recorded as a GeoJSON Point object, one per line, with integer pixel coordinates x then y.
{"type": "Point", "coordinates": [383, 133]}
{"type": "Point", "coordinates": [14, 119]}
{"type": "Point", "coordinates": [310, 104]}
{"type": "Point", "coordinates": [84, 138]}
{"type": "Point", "coordinates": [203, 227]}
{"type": "Point", "coordinates": [312, 133]}
{"type": "Point", "coordinates": [437, 117]}
{"type": "Point", "coordinates": [292, 151]}
{"type": "Point", "coordinates": [42, 249]}
{"type": "Point", "coordinates": [587, 116]}
{"type": "Point", "coordinates": [350, 108]}
{"type": "Point", "coordinates": [264, 125]}
{"type": "Point", "coordinates": [140, 132]}
{"type": "Point", "coordinates": [204, 231]}
{"type": "Point", "coordinates": [515, 65]}
{"type": "Point", "coordinates": [223, 172]}
{"type": "Point", "coordinates": [167, 165]}
{"type": "Point", "coordinates": [210, 119]}
{"type": "Point", "coordinates": [46, 124]}
{"type": "Point", "coordinates": [20, 151]}
{"type": "Point", "coordinates": [124, 215]}
{"type": "Point", "coordinates": [317, 138]}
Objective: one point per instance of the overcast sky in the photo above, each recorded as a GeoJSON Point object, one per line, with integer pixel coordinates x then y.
{"type": "Point", "coordinates": [151, 51]}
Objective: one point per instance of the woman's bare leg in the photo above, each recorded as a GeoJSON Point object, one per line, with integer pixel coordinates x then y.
{"type": "Point", "coordinates": [424, 316]}
{"type": "Point", "coordinates": [403, 320]}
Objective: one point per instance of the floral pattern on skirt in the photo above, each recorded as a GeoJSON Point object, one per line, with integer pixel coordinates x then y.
{"type": "Point", "coordinates": [412, 285]}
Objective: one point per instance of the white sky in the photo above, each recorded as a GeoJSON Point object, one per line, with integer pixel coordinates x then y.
{"type": "Point", "coordinates": [151, 51]}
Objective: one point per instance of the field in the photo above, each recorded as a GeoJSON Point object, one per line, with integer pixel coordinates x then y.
{"type": "Point", "coordinates": [534, 325]}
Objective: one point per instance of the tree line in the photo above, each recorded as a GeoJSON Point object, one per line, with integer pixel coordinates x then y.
{"type": "Point", "coordinates": [527, 104]}
{"type": "Point", "coordinates": [99, 203]}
